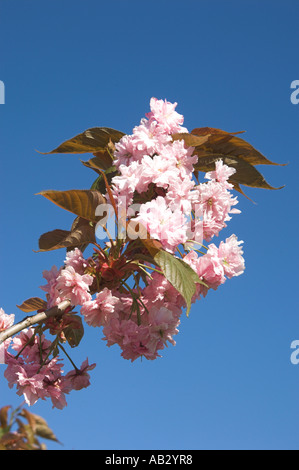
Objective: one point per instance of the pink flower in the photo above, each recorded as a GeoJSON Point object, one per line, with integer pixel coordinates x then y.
{"type": "Point", "coordinates": [79, 379]}
{"type": "Point", "coordinates": [162, 223]}
{"type": "Point", "coordinates": [134, 339]}
{"type": "Point", "coordinates": [149, 138]}
{"type": "Point", "coordinates": [145, 334]}
{"type": "Point", "coordinates": [163, 324]}
{"type": "Point", "coordinates": [156, 170]}
{"type": "Point", "coordinates": [54, 385]}
{"type": "Point", "coordinates": [35, 382]}
{"type": "Point", "coordinates": [217, 203]}
{"type": "Point", "coordinates": [209, 269]}
{"type": "Point", "coordinates": [56, 392]}
{"type": "Point", "coordinates": [74, 286]}
{"type": "Point", "coordinates": [126, 151]}
{"type": "Point", "coordinates": [160, 290]}
{"type": "Point", "coordinates": [210, 226]}
{"type": "Point", "coordinates": [230, 252]}
{"type": "Point", "coordinates": [5, 322]}
{"type": "Point", "coordinates": [96, 312]}
{"type": "Point", "coordinates": [75, 259]}
{"type": "Point", "coordinates": [53, 295]}
{"type": "Point", "coordinates": [181, 157]}
{"type": "Point", "coordinates": [29, 382]}
{"type": "Point", "coordinates": [32, 347]}
{"type": "Point", "coordinates": [164, 113]}
{"type": "Point", "coordinates": [180, 194]}
{"type": "Point", "coordinates": [221, 174]}
{"type": "Point", "coordinates": [124, 185]}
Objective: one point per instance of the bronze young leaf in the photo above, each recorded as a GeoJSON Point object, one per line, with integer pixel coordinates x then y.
{"type": "Point", "coordinates": [92, 140]}
{"type": "Point", "coordinates": [81, 202]}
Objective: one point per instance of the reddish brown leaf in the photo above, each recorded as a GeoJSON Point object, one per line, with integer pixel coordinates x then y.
{"type": "Point", "coordinates": [82, 233]}
{"type": "Point", "coordinates": [4, 416]}
{"type": "Point", "coordinates": [33, 304]}
{"type": "Point", "coordinates": [81, 202]}
{"type": "Point", "coordinates": [92, 140]}
{"type": "Point", "coordinates": [225, 144]}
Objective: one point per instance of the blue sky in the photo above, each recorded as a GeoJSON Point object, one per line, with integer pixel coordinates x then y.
{"type": "Point", "coordinates": [70, 65]}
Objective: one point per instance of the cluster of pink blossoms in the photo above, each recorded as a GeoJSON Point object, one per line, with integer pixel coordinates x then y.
{"type": "Point", "coordinates": [150, 160]}
{"type": "Point", "coordinates": [156, 172]}
{"type": "Point", "coordinates": [36, 376]}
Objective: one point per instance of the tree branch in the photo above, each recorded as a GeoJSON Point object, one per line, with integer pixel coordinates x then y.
{"type": "Point", "coordinates": [30, 321]}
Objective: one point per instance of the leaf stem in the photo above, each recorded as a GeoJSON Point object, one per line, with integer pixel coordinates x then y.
{"type": "Point", "coordinates": [180, 252]}
{"type": "Point", "coordinates": [150, 267]}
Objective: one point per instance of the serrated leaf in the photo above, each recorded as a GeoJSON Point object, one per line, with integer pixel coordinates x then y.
{"type": "Point", "coordinates": [182, 277]}
{"type": "Point", "coordinates": [81, 202]}
{"type": "Point", "coordinates": [33, 304]}
{"type": "Point", "coordinates": [92, 140]}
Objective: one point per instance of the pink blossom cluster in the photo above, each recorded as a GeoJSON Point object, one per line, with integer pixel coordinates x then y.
{"type": "Point", "coordinates": [69, 282]}
{"type": "Point", "coordinates": [151, 158]}
{"type": "Point", "coordinates": [147, 330]}
{"type": "Point", "coordinates": [141, 331]}
{"type": "Point", "coordinates": [218, 264]}
{"type": "Point", "coordinates": [5, 322]}
{"type": "Point", "coordinates": [156, 171]}
{"type": "Point", "coordinates": [36, 376]}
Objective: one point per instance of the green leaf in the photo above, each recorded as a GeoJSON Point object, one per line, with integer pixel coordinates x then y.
{"type": "Point", "coordinates": [92, 140]}
{"type": "Point", "coordinates": [81, 202]}
{"type": "Point", "coordinates": [179, 274]}
{"type": "Point", "coordinates": [176, 271]}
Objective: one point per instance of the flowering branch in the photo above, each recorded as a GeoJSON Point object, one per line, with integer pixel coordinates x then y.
{"type": "Point", "coordinates": [162, 211]}
{"type": "Point", "coordinates": [34, 319]}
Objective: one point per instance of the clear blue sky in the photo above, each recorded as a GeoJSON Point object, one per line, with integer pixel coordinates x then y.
{"type": "Point", "coordinates": [69, 65]}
